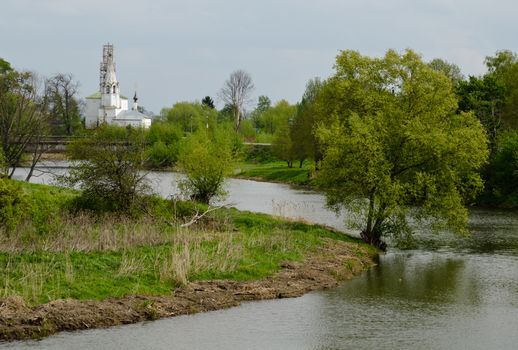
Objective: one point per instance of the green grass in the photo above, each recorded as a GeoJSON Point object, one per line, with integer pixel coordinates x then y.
{"type": "Point", "coordinates": [92, 257]}
{"type": "Point", "coordinates": [278, 171]}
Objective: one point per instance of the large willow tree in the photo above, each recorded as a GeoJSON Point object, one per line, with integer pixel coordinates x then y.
{"type": "Point", "coordinates": [393, 143]}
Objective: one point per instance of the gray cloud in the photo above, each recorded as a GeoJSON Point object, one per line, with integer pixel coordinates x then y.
{"type": "Point", "coordinates": [183, 50]}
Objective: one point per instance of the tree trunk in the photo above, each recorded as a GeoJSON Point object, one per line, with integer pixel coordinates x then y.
{"type": "Point", "coordinates": [372, 233]}
{"type": "Point", "coordinates": [237, 119]}
{"type": "Point", "coordinates": [300, 163]}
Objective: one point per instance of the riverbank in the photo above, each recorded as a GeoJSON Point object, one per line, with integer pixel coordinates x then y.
{"type": "Point", "coordinates": [68, 272]}
{"type": "Point", "coordinates": [277, 172]}
{"type": "Point", "coordinates": [335, 262]}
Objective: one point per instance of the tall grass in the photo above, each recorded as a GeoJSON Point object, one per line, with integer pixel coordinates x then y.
{"type": "Point", "coordinates": [74, 268]}
{"type": "Point", "coordinates": [82, 256]}
{"type": "Point", "coordinates": [205, 252]}
{"type": "Point", "coordinates": [84, 232]}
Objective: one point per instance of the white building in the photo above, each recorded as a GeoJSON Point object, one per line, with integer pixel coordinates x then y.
{"type": "Point", "coordinates": [107, 105]}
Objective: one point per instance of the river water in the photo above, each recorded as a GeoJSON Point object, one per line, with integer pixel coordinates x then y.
{"type": "Point", "coordinates": [450, 293]}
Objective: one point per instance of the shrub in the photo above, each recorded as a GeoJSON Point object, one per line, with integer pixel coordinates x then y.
{"type": "Point", "coordinates": [206, 160]}
{"type": "Point", "coordinates": [164, 139]}
{"type": "Point", "coordinates": [109, 172]}
{"type": "Point", "coordinates": [13, 204]}
{"type": "Point", "coordinates": [162, 155]}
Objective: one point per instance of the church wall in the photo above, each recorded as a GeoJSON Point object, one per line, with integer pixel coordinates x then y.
{"type": "Point", "coordinates": [91, 111]}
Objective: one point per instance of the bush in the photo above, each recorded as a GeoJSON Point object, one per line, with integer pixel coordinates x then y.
{"type": "Point", "coordinates": [247, 130]}
{"type": "Point", "coordinates": [109, 173]}
{"type": "Point", "coordinates": [13, 204]}
{"type": "Point", "coordinates": [162, 155]}
{"type": "Point", "coordinates": [164, 139]}
{"type": "Point", "coordinates": [206, 160]}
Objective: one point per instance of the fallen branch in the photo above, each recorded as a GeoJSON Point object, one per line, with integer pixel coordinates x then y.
{"type": "Point", "coordinates": [193, 220]}
{"type": "Point", "coordinates": [197, 216]}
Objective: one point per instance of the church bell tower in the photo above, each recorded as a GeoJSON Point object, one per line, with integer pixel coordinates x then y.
{"type": "Point", "coordinates": [108, 85]}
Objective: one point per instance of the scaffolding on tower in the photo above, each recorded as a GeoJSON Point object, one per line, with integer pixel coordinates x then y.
{"type": "Point", "coordinates": [107, 60]}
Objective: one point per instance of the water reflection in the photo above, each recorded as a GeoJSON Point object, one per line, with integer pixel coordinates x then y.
{"type": "Point", "coordinates": [426, 301]}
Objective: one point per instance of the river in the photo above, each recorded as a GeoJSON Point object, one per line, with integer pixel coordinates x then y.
{"type": "Point", "coordinates": [450, 293]}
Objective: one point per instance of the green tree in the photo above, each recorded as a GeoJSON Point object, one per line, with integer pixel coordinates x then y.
{"type": "Point", "coordinates": [208, 102]}
{"type": "Point", "coordinates": [504, 170]}
{"type": "Point", "coordinates": [4, 66]}
{"type": "Point", "coordinates": [305, 144]}
{"type": "Point", "coordinates": [282, 146]}
{"type": "Point", "coordinates": [263, 104]}
{"type": "Point", "coordinates": [451, 70]}
{"type": "Point", "coordinates": [276, 116]}
{"type": "Point", "coordinates": [189, 116]}
{"type": "Point", "coordinates": [206, 158]}
{"type": "Point", "coordinates": [109, 169]}
{"type": "Point", "coordinates": [485, 97]}
{"type": "Point", "coordinates": [164, 142]}
{"type": "Point", "coordinates": [394, 142]}
{"type": "Point", "coordinates": [63, 104]}
{"type": "Point", "coordinates": [503, 67]}
{"type": "Point", "coordinates": [23, 116]}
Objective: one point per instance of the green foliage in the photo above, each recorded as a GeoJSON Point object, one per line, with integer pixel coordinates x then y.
{"type": "Point", "coordinates": [276, 116]}
{"type": "Point", "coordinates": [206, 159]}
{"type": "Point", "coordinates": [23, 115]}
{"type": "Point", "coordinates": [282, 145]}
{"type": "Point", "coordinates": [305, 144]}
{"type": "Point", "coordinates": [493, 97]}
{"type": "Point", "coordinates": [63, 105]}
{"type": "Point", "coordinates": [191, 117]}
{"type": "Point", "coordinates": [392, 139]}
{"type": "Point", "coordinates": [13, 204]}
{"type": "Point", "coordinates": [164, 139]}
{"type": "Point", "coordinates": [504, 68]}
{"type": "Point", "coordinates": [263, 104]}
{"type": "Point", "coordinates": [3, 164]}
{"type": "Point", "coordinates": [451, 70]}
{"type": "Point", "coordinates": [4, 66]}
{"type": "Point", "coordinates": [247, 130]}
{"type": "Point", "coordinates": [75, 257]}
{"type": "Point", "coordinates": [259, 154]}
{"type": "Point", "coordinates": [207, 101]}
{"type": "Point", "coordinates": [226, 114]}
{"type": "Point", "coordinates": [109, 171]}
{"type": "Point", "coordinates": [503, 181]}
{"type": "Point", "coordinates": [484, 96]}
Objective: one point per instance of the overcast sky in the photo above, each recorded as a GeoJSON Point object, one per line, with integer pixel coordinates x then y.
{"type": "Point", "coordinates": [174, 50]}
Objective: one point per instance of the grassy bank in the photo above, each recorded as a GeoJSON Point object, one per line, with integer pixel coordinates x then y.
{"type": "Point", "coordinates": [54, 254]}
{"type": "Point", "coordinates": [277, 171]}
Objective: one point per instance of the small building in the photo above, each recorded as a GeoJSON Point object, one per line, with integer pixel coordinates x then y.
{"type": "Point", "coordinates": [107, 105]}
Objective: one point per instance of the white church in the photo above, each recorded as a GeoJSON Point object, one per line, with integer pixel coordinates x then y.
{"type": "Point", "coordinates": [107, 105]}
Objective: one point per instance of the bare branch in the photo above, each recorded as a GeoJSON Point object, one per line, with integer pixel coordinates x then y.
{"type": "Point", "coordinates": [236, 93]}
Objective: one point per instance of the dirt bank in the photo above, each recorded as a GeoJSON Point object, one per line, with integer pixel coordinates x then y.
{"type": "Point", "coordinates": [334, 262]}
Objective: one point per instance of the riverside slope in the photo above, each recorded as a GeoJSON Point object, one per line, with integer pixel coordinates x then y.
{"type": "Point", "coordinates": [335, 261]}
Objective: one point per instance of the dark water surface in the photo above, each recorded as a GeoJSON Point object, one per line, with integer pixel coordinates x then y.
{"type": "Point", "coordinates": [450, 293]}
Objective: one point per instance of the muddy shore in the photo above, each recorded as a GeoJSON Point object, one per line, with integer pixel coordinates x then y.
{"type": "Point", "coordinates": [335, 261]}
